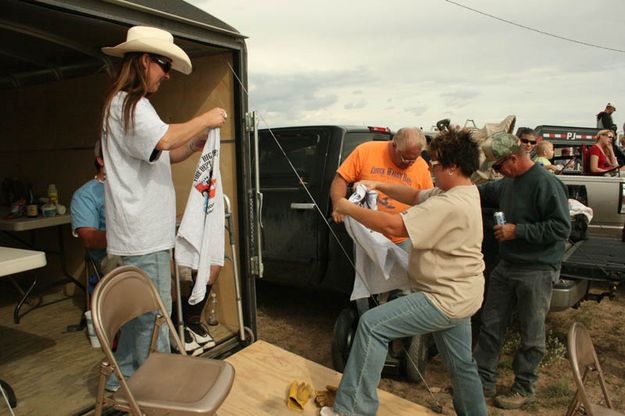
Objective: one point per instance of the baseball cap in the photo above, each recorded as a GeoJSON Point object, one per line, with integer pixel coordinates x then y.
{"type": "Point", "coordinates": [610, 105]}
{"type": "Point", "coordinates": [499, 146]}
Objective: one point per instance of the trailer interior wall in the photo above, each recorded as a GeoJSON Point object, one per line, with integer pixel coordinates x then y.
{"type": "Point", "coordinates": [49, 131]}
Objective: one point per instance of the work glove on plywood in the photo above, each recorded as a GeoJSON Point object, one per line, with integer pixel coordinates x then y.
{"type": "Point", "coordinates": [299, 394]}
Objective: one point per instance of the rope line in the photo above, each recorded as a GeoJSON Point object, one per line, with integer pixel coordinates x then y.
{"type": "Point", "coordinates": [303, 184]}
{"type": "Point", "coordinates": [542, 32]}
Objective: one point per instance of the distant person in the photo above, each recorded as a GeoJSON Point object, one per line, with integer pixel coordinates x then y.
{"type": "Point", "coordinates": [544, 152]}
{"type": "Point", "coordinates": [604, 118]}
{"type": "Point", "coordinates": [397, 161]}
{"type": "Point", "coordinates": [88, 217]}
{"type": "Point", "coordinates": [531, 248]}
{"type": "Point", "coordinates": [528, 138]}
{"type": "Point", "coordinates": [601, 156]}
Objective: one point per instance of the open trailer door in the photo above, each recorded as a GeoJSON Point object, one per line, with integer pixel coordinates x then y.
{"type": "Point", "coordinates": [53, 79]}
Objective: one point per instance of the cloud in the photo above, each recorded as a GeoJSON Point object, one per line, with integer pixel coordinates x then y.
{"type": "Point", "coordinates": [418, 62]}
{"type": "Point", "coordinates": [417, 110]}
{"type": "Point", "coordinates": [297, 93]}
{"type": "Point", "coordinates": [458, 98]}
{"type": "Point", "coordinates": [355, 106]}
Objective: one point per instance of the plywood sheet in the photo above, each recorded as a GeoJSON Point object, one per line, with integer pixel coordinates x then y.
{"type": "Point", "coordinates": [264, 373]}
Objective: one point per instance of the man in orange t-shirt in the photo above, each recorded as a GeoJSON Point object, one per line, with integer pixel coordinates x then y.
{"type": "Point", "coordinates": [397, 161]}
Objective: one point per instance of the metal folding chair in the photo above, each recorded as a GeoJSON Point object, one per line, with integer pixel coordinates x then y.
{"type": "Point", "coordinates": [172, 384]}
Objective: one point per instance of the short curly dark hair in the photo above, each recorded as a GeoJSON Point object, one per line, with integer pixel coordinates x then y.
{"type": "Point", "coordinates": [456, 147]}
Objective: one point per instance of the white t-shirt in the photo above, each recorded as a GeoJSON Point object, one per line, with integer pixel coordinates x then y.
{"type": "Point", "coordinates": [446, 262]}
{"type": "Point", "coordinates": [139, 193]}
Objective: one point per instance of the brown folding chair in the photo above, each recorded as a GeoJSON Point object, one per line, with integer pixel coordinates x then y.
{"type": "Point", "coordinates": [169, 384]}
{"type": "Point", "coordinates": [586, 365]}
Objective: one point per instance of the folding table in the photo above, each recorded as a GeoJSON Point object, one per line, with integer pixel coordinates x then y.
{"type": "Point", "coordinates": [15, 260]}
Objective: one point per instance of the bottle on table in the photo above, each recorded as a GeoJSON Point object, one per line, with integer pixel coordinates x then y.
{"type": "Point", "coordinates": [53, 195]}
{"type": "Point", "coordinates": [212, 308]}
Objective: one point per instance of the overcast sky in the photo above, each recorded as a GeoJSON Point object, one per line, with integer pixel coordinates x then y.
{"type": "Point", "coordinates": [402, 63]}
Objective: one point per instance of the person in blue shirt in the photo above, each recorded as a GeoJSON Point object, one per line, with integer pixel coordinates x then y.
{"type": "Point", "coordinates": [87, 212]}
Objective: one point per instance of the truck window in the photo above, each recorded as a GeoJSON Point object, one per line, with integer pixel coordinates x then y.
{"type": "Point", "coordinates": [354, 139]}
{"type": "Point", "coordinates": [302, 150]}
{"type": "Point", "coordinates": [579, 193]}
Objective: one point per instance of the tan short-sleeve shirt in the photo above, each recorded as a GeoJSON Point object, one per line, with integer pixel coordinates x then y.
{"type": "Point", "coordinates": [446, 262]}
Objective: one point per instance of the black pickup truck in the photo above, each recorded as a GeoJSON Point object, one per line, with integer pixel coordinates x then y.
{"type": "Point", "coordinates": [298, 246]}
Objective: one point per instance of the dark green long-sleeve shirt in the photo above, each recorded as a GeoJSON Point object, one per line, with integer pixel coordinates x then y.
{"type": "Point", "coordinates": [537, 203]}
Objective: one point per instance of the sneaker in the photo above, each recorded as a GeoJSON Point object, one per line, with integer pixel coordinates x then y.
{"type": "Point", "coordinates": [201, 335]}
{"type": "Point", "coordinates": [328, 411]}
{"type": "Point", "coordinates": [512, 400]}
{"type": "Point", "coordinates": [197, 352]}
{"type": "Point", "coordinates": [190, 344]}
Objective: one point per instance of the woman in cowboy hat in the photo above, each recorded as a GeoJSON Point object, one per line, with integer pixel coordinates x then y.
{"type": "Point", "coordinates": [138, 149]}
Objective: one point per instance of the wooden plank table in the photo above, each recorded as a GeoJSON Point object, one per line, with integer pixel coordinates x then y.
{"type": "Point", "coordinates": [264, 373]}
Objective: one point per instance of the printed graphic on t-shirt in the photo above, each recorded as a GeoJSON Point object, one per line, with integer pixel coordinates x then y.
{"type": "Point", "coordinates": [204, 181]}
{"type": "Point", "coordinates": [391, 173]}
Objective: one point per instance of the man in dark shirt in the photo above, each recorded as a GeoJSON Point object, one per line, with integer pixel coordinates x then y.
{"type": "Point", "coordinates": [531, 247]}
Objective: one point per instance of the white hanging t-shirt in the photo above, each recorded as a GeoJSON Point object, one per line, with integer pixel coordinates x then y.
{"type": "Point", "coordinates": [201, 236]}
{"type": "Point", "coordinates": [140, 199]}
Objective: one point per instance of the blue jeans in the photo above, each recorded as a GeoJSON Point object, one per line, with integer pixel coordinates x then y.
{"type": "Point", "coordinates": [135, 336]}
{"type": "Point", "coordinates": [406, 316]}
{"type": "Point", "coordinates": [529, 293]}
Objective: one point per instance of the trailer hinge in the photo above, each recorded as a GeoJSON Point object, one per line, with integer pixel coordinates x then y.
{"type": "Point", "coordinates": [250, 121]}
{"type": "Point", "coordinates": [256, 267]}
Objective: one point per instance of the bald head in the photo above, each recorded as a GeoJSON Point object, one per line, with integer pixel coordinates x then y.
{"type": "Point", "coordinates": [408, 137]}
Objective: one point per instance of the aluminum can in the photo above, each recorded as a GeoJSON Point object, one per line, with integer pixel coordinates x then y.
{"type": "Point", "coordinates": [372, 200]}
{"type": "Point", "coordinates": [499, 217]}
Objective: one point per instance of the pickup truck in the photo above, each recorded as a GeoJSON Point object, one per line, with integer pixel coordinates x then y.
{"type": "Point", "coordinates": [298, 246]}
{"type": "Point", "coordinates": [586, 267]}
{"type": "Point", "coordinates": [604, 194]}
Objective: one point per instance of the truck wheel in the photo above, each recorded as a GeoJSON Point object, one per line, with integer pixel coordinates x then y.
{"type": "Point", "coordinates": [343, 336]}
{"type": "Point", "coordinates": [417, 355]}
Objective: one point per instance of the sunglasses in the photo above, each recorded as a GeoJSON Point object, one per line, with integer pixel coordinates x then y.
{"type": "Point", "coordinates": [162, 62]}
{"type": "Point", "coordinates": [609, 135]}
{"type": "Point", "coordinates": [499, 164]}
{"type": "Point", "coordinates": [433, 163]}
{"type": "Point", "coordinates": [405, 160]}
{"type": "Point", "coordinates": [526, 141]}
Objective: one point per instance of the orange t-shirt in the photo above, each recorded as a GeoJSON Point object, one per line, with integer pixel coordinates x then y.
{"type": "Point", "coordinates": [372, 161]}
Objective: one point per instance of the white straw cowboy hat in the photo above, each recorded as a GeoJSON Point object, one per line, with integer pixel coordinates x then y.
{"type": "Point", "coordinates": [152, 40]}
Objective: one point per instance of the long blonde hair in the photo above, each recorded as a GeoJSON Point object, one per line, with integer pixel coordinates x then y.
{"type": "Point", "coordinates": [131, 79]}
{"type": "Point", "coordinates": [604, 132]}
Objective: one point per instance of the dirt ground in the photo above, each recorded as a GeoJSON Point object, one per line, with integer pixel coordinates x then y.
{"type": "Point", "coordinates": [301, 321]}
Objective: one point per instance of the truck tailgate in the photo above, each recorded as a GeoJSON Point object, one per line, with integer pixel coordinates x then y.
{"type": "Point", "coordinates": [598, 258]}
